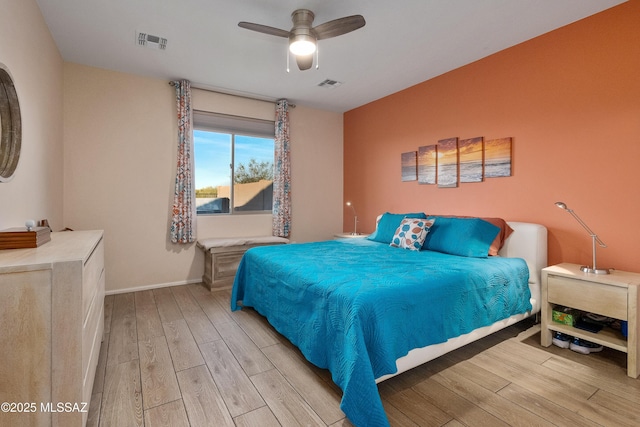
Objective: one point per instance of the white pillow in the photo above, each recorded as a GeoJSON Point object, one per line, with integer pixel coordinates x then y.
{"type": "Point", "coordinates": [411, 233]}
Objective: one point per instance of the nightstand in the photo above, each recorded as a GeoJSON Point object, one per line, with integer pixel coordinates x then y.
{"type": "Point", "coordinates": [349, 236]}
{"type": "Point", "coordinates": [613, 295]}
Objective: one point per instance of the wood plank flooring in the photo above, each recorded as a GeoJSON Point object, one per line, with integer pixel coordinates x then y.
{"type": "Point", "coordinates": [179, 357]}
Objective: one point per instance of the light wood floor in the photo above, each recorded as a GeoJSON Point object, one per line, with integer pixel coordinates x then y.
{"type": "Point", "coordinates": [179, 357]}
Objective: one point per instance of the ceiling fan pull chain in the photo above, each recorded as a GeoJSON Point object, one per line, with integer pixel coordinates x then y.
{"type": "Point", "coordinates": [317, 62]}
{"type": "Point", "coordinates": [287, 59]}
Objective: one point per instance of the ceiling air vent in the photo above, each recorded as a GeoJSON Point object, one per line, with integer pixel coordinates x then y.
{"type": "Point", "coordinates": [329, 83]}
{"type": "Point", "coordinates": [151, 41]}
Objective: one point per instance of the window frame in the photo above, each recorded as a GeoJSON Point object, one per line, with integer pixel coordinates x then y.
{"type": "Point", "coordinates": [234, 126]}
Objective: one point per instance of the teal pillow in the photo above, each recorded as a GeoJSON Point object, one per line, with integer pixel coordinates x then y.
{"type": "Point", "coordinates": [470, 237]}
{"type": "Point", "coordinates": [389, 223]}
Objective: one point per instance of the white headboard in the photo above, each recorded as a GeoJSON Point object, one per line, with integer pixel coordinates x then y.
{"type": "Point", "coordinates": [528, 241]}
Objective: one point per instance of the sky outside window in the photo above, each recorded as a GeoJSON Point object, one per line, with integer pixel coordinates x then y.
{"type": "Point", "coordinates": [213, 155]}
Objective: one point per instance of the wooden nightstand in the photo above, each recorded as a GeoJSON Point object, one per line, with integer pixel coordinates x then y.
{"type": "Point", "coordinates": [613, 295]}
{"type": "Point", "coordinates": [349, 236]}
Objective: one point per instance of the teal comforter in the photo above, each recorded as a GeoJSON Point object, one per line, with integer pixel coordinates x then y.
{"type": "Point", "coordinates": [354, 306]}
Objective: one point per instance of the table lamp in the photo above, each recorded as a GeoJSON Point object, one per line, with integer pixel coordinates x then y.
{"type": "Point", "coordinates": [355, 219]}
{"type": "Point", "coordinates": [585, 268]}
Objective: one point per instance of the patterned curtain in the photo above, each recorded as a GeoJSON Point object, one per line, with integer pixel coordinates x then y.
{"type": "Point", "coordinates": [282, 173]}
{"type": "Point", "coordinates": [183, 224]}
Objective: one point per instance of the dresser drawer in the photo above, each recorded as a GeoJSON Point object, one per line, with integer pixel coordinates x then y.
{"type": "Point", "coordinates": [583, 295]}
{"type": "Point", "coordinates": [92, 325]}
{"type": "Point", "coordinates": [92, 333]}
{"type": "Point", "coordinates": [93, 269]}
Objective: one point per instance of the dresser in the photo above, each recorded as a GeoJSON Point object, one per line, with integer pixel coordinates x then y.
{"type": "Point", "coordinates": [51, 327]}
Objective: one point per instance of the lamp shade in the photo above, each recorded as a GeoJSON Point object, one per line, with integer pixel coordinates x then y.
{"type": "Point", "coordinates": [302, 44]}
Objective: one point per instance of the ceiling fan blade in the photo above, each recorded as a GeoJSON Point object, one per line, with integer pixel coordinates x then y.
{"type": "Point", "coordinates": [263, 29]}
{"type": "Point", "coordinates": [304, 61]}
{"type": "Point", "coordinates": [339, 26]}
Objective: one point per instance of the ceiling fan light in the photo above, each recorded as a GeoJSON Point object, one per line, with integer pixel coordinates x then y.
{"type": "Point", "coordinates": [302, 45]}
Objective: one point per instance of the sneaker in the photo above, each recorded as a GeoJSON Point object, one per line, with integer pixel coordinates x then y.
{"type": "Point", "coordinates": [584, 346]}
{"type": "Point", "coordinates": [561, 340]}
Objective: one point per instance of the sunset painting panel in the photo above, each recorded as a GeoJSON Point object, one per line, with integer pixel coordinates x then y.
{"type": "Point", "coordinates": [427, 161]}
{"type": "Point", "coordinates": [471, 153]}
{"type": "Point", "coordinates": [448, 163]}
{"type": "Point", "coordinates": [409, 166]}
{"type": "Point", "coordinates": [497, 158]}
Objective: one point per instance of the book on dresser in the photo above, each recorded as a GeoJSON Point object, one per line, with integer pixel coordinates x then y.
{"type": "Point", "coordinates": [21, 238]}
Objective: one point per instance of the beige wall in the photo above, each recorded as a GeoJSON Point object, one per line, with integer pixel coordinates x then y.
{"type": "Point", "coordinates": [120, 147]}
{"type": "Point", "coordinates": [316, 174]}
{"type": "Point", "coordinates": [29, 54]}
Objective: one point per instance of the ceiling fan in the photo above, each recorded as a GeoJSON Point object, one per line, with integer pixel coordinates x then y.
{"type": "Point", "coordinates": [303, 37]}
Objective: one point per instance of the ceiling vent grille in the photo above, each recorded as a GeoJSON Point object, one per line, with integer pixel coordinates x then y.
{"type": "Point", "coordinates": [329, 83]}
{"type": "Point", "coordinates": [151, 41]}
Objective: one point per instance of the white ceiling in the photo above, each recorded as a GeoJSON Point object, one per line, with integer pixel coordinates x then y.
{"type": "Point", "coordinates": [403, 43]}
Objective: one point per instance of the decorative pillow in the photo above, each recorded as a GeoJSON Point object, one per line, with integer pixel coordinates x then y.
{"type": "Point", "coordinates": [505, 231]}
{"type": "Point", "coordinates": [388, 224]}
{"type": "Point", "coordinates": [470, 237]}
{"type": "Point", "coordinates": [411, 233]}
{"type": "Point", "coordinates": [498, 242]}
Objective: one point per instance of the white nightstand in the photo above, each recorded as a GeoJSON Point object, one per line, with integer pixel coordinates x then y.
{"type": "Point", "coordinates": [613, 295]}
{"type": "Point", "coordinates": [350, 236]}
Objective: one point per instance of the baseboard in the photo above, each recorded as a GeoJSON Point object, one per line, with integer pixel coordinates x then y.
{"type": "Point", "coordinates": [156, 286]}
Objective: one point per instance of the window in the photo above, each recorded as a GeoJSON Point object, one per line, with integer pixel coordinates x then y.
{"type": "Point", "coordinates": [230, 149]}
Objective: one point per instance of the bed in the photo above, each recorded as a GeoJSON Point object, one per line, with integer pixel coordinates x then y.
{"type": "Point", "coordinates": [366, 310]}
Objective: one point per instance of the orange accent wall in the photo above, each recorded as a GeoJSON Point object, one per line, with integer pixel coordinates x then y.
{"type": "Point", "coordinates": [571, 101]}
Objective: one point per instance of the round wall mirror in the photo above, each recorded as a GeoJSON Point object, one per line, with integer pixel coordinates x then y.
{"type": "Point", "coordinates": [10, 127]}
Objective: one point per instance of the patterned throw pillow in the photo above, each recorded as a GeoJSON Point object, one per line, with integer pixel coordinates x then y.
{"type": "Point", "coordinates": [411, 233]}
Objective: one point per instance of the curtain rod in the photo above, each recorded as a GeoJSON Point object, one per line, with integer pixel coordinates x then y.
{"type": "Point", "coordinates": [171, 83]}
